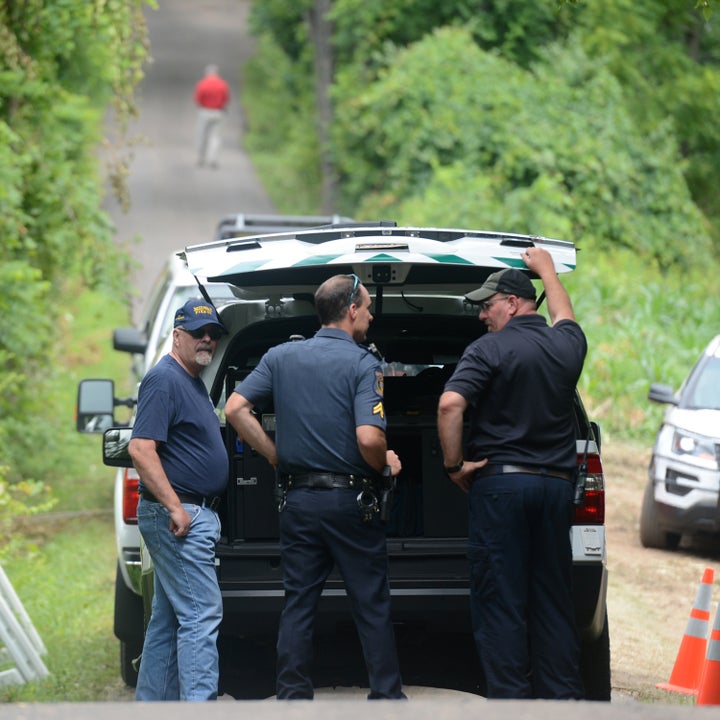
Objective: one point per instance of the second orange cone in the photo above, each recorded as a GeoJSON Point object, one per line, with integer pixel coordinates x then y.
{"type": "Point", "coordinates": [709, 692]}
{"type": "Point", "coordinates": [687, 672]}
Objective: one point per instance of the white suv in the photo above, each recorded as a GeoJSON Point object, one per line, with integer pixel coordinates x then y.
{"type": "Point", "coordinates": [681, 497]}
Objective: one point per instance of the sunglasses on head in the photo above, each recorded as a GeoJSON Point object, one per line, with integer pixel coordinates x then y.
{"type": "Point", "coordinates": [356, 282]}
{"type": "Point", "coordinates": [213, 332]}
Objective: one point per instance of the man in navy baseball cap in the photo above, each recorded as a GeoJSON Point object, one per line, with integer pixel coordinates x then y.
{"type": "Point", "coordinates": [178, 451]}
{"type": "Point", "coordinates": [196, 314]}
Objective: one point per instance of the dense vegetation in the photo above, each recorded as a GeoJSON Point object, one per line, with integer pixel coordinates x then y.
{"type": "Point", "coordinates": [592, 122]}
{"type": "Point", "coordinates": [63, 65]}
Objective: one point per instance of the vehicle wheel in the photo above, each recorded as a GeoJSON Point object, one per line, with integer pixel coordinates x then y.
{"type": "Point", "coordinates": [595, 665]}
{"type": "Point", "coordinates": [129, 627]}
{"type": "Point", "coordinates": [651, 536]}
{"type": "Point", "coordinates": [129, 651]}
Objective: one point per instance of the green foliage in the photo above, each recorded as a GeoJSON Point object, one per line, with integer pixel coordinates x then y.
{"type": "Point", "coordinates": [25, 340]}
{"type": "Point", "coordinates": [40, 553]}
{"type": "Point", "coordinates": [288, 130]}
{"type": "Point", "coordinates": [284, 21]}
{"type": "Point", "coordinates": [642, 327]}
{"type": "Point", "coordinates": [666, 56]}
{"type": "Point", "coordinates": [516, 29]}
{"type": "Point", "coordinates": [45, 461]}
{"type": "Point", "coordinates": [19, 501]}
{"type": "Point", "coordinates": [486, 150]}
{"type": "Point", "coordinates": [657, 62]}
{"type": "Point", "coordinates": [85, 350]}
{"type": "Point", "coordinates": [61, 65]}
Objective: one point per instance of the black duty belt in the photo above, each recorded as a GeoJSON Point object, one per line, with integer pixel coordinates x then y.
{"type": "Point", "coordinates": [211, 502]}
{"type": "Point", "coordinates": [507, 469]}
{"type": "Point", "coordinates": [322, 480]}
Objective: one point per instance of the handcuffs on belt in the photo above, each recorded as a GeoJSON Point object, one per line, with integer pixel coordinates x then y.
{"type": "Point", "coordinates": [367, 498]}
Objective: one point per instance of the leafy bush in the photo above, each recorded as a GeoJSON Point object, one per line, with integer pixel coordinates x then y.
{"type": "Point", "coordinates": [424, 145]}
{"type": "Point", "coordinates": [63, 64]}
{"type": "Point", "coordinates": [19, 501]}
{"type": "Point", "coordinates": [288, 131]}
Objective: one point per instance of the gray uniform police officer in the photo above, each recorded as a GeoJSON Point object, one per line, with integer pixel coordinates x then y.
{"type": "Point", "coordinates": [331, 454]}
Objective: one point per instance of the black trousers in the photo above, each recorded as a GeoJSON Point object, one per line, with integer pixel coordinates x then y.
{"type": "Point", "coordinates": [521, 594]}
{"type": "Point", "coordinates": [318, 529]}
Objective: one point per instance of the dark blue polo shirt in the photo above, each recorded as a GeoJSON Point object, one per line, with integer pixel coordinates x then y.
{"type": "Point", "coordinates": [175, 410]}
{"type": "Point", "coordinates": [520, 384]}
{"type": "Point", "coordinates": [321, 390]}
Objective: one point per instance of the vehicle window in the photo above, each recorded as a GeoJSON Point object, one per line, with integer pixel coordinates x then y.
{"type": "Point", "coordinates": [156, 297]}
{"type": "Point", "coordinates": [704, 391]}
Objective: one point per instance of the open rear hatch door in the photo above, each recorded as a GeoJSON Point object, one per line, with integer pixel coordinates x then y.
{"type": "Point", "coordinates": [434, 260]}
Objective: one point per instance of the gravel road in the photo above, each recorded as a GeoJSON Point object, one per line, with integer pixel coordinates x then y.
{"type": "Point", "coordinates": [174, 203]}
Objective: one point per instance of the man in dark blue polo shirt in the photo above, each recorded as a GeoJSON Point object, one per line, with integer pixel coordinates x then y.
{"type": "Point", "coordinates": [327, 393]}
{"type": "Point", "coordinates": [517, 383]}
{"type": "Point", "coordinates": [179, 453]}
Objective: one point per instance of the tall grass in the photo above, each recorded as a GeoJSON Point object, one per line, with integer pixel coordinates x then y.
{"type": "Point", "coordinates": [642, 327]}
{"type": "Point", "coordinates": [80, 481]}
{"type": "Point", "coordinates": [67, 588]}
{"type": "Point", "coordinates": [64, 571]}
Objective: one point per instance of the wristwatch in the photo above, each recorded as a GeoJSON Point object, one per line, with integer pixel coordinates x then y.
{"type": "Point", "coordinates": [454, 468]}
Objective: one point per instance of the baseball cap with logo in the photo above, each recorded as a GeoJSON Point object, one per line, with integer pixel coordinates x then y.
{"type": "Point", "coordinates": [195, 314]}
{"type": "Point", "coordinates": [510, 281]}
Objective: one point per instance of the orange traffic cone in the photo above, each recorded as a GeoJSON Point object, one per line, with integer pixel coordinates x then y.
{"type": "Point", "coordinates": [685, 677]}
{"type": "Point", "coordinates": [709, 692]}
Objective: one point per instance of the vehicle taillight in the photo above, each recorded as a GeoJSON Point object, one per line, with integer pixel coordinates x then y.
{"type": "Point", "coordinates": [592, 511]}
{"type": "Point", "coordinates": [131, 495]}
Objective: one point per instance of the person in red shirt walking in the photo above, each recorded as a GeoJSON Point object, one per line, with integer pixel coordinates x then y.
{"type": "Point", "coordinates": [212, 95]}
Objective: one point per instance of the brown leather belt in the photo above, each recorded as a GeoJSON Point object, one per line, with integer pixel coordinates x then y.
{"type": "Point", "coordinates": [523, 469]}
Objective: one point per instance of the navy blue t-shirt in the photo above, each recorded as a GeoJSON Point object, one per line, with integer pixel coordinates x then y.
{"type": "Point", "coordinates": [175, 410]}
{"type": "Point", "coordinates": [321, 390]}
{"type": "Point", "coordinates": [520, 383]}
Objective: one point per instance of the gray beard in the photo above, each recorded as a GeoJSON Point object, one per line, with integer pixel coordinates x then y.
{"type": "Point", "coordinates": [203, 357]}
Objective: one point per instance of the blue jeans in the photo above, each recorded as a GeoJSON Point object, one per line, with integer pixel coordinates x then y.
{"type": "Point", "coordinates": [180, 657]}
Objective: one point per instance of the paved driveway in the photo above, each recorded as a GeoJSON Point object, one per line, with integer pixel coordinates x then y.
{"type": "Point", "coordinates": [173, 202]}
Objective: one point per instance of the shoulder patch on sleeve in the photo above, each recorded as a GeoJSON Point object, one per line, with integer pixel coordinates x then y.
{"type": "Point", "coordinates": [379, 384]}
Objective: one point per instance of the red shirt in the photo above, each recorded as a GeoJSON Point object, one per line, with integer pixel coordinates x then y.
{"type": "Point", "coordinates": [212, 92]}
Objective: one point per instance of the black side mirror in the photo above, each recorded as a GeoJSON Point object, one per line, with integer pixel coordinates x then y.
{"type": "Point", "coordinates": [95, 406]}
{"type": "Point", "coordinates": [660, 393]}
{"type": "Point", "coordinates": [115, 447]}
